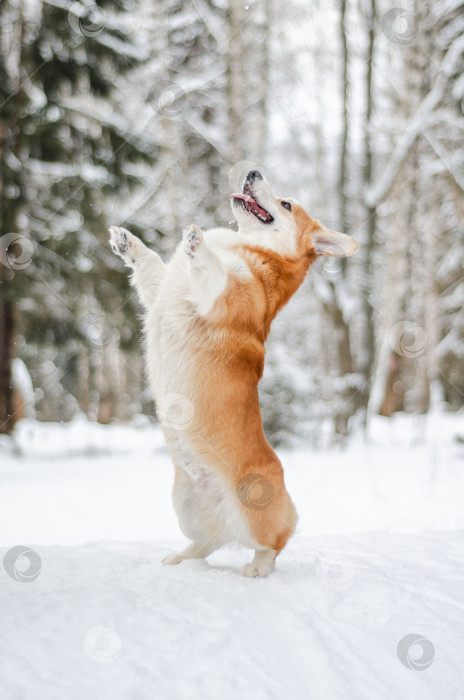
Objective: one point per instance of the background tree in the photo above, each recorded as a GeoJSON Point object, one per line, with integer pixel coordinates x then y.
{"type": "Point", "coordinates": [149, 115]}
{"type": "Point", "coordinates": [60, 157]}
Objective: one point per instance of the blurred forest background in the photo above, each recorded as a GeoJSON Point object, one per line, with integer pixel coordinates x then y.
{"type": "Point", "coordinates": [147, 113]}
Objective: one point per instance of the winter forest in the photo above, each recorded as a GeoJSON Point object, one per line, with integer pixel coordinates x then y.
{"type": "Point", "coordinates": [148, 114]}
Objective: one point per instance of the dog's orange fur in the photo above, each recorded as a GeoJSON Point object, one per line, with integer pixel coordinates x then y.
{"type": "Point", "coordinates": [209, 312]}
{"type": "Point", "coordinates": [230, 435]}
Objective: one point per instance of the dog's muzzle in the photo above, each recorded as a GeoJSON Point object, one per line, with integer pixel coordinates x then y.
{"type": "Point", "coordinates": [248, 199]}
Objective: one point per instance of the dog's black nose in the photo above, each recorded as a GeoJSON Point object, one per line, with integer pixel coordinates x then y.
{"type": "Point", "coordinates": [254, 175]}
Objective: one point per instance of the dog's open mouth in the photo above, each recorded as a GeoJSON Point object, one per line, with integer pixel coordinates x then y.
{"type": "Point", "coordinates": [250, 204]}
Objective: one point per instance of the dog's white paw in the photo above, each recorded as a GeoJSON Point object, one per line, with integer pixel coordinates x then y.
{"type": "Point", "coordinates": [257, 569]}
{"type": "Point", "coordinates": [119, 240]}
{"type": "Point", "coordinates": [193, 239]}
{"type": "Point", "coordinates": [125, 244]}
{"type": "Point", "coordinates": [172, 559]}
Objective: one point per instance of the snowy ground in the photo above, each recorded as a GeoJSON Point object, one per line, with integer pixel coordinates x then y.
{"type": "Point", "coordinates": [378, 556]}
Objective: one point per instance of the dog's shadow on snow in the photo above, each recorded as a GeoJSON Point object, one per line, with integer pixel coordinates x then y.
{"type": "Point", "coordinates": [204, 566]}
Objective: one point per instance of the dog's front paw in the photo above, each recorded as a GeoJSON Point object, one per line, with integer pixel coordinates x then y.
{"type": "Point", "coordinates": [172, 559]}
{"type": "Point", "coordinates": [257, 569]}
{"type": "Point", "coordinates": [193, 239]}
{"type": "Point", "coordinates": [126, 245]}
{"type": "Point", "coordinates": [119, 240]}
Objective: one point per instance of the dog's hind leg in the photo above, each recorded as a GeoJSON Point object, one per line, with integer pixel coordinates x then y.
{"type": "Point", "coordinates": [262, 564]}
{"type": "Point", "coordinates": [208, 273]}
{"type": "Point", "coordinates": [147, 265]}
{"type": "Point", "coordinates": [270, 513]}
{"type": "Point", "coordinates": [196, 550]}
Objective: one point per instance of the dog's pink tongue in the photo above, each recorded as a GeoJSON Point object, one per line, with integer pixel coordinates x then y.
{"type": "Point", "coordinates": [245, 197]}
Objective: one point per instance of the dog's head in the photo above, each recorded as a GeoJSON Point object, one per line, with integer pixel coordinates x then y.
{"type": "Point", "coordinates": [282, 224]}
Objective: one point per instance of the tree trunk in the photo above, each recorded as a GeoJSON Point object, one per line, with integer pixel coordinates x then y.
{"type": "Point", "coordinates": [394, 390]}
{"type": "Point", "coordinates": [6, 353]}
{"type": "Point", "coordinates": [235, 82]}
{"type": "Point", "coordinates": [370, 212]}
{"type": "Point", "coordinates": [342, 176]}
{"type": "Point", "coordinates": [343, 357]}
{"type": "Point", "coordinates": [411, 259]}
{"type": "Point", "coordinates": [261, 121]}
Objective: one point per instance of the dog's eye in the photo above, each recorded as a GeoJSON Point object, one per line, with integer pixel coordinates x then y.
{"type": "Point", "coordinates": [287, 205]}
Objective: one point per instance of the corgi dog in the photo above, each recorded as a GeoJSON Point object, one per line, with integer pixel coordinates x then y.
{"type": "Point", "coordinates": [208, 312]}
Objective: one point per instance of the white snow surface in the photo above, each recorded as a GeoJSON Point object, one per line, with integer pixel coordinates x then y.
{"type": "Point", "coordinates": [378, 555]}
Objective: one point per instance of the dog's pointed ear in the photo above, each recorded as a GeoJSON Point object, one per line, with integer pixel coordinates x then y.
{"type": "Point", "coordinates": [337, 245]}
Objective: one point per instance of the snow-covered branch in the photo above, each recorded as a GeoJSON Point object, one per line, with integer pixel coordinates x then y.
{"type": "Point", "coordinates": [85, 171]}
{"type": "Point", "coordinates": [443, 156]}
{"type": "Point", "coordinates": [375, 194]}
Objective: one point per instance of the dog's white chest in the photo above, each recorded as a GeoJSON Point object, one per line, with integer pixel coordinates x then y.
{"type": "Point", "coordinates": [183, 455]}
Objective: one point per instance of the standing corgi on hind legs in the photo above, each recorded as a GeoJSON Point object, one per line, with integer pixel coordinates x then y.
{"type": "Point", "coordinates": [207, 315]}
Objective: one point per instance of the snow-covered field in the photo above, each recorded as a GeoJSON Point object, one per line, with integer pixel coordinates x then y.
{"type": "Point", "coordinates": [378, 558]}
